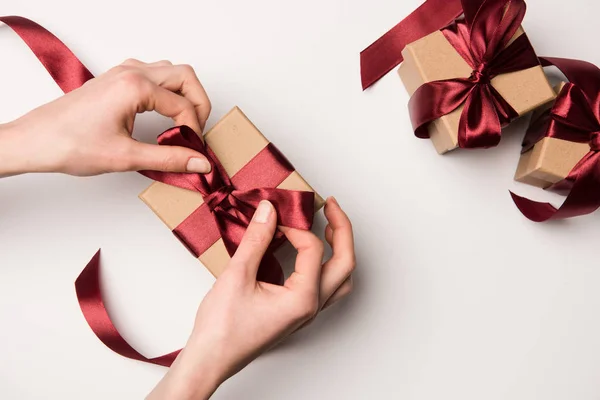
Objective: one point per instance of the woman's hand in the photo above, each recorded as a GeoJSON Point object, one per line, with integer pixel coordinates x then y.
{"type": "Point", "coordinates": [88, 131]}
{"type": "Point", "coordinates": [240, 318]}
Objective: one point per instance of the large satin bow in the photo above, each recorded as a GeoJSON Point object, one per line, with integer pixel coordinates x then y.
{"type": "Point", "coordinates": [232, 207]}
{"type": "Point", "coordinates": [575, 116]}
{"type": "Point", "coordinates": [481, 39]}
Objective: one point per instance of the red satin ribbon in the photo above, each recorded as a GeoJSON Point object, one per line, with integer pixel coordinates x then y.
{"type": "Point", "coordinates": [575, 116]}
{"type": "Point", "coordinates": [481, 39]}
{"type": "Point", "coordinates": [66, 69]}
{"type": "Point", "coordinates": [90, 300]}
{"type": "Point", "coordinates": [229, 202]}
{"type": "Point", "coordinates": [386, 52]}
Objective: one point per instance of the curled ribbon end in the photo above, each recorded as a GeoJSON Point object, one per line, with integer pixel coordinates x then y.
{"type": "Point", "coordinates": [534, 210]}
{"type": "Point", "coordinates": [88, 276]}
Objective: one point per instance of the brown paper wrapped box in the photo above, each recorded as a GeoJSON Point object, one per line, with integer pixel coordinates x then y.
{"type": "Point", "coordinates": [550, 160]}
{"type": "Point", "coordinates": [433, 58]}
{"type": "Point", "coordinates": [235, 141]}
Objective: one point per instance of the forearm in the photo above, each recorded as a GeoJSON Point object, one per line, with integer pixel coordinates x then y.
{"type": "Point", "coordinates": [16, 157]}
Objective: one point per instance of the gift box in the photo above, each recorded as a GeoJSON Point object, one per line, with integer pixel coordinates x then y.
{"type": "Point", "coordinates": [561, 149]}
{"type": "Point", "coordinates": [546, 161]}
{"type": "Point", "coordinates": [236, 143]}
{"type": "Point", "coordinates": [434, 58]}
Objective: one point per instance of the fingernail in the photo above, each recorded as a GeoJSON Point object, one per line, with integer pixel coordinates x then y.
{"type": "Point", "coordinates": [263, 212]}
{"type": "Point", "coordinates": [199, 165]}
{"type": "Point", "coordinates": [334, 201]}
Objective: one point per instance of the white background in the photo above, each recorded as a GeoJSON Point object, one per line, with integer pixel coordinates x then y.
{"type": "Point", "coordinates": [457, 295]}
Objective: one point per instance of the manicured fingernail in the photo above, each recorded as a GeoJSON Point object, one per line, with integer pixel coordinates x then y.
{"type": "Point", "coordinates": [199, 165]}
{"type": "Point", "coordinates": [263, 212]}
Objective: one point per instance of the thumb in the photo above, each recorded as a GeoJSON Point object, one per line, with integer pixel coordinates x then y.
{"type": "Point", "coordinates": [153, 157]}
{"type": "Point", "coordinates": [256, 240]}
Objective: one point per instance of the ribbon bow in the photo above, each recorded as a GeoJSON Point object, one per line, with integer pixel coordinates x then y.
{"type": "Point", "coordinates": [575, 116]}
{"type": "Point", "coordinates": [232, 201]}
{"type": "Point", "coordinates": [481, 39]}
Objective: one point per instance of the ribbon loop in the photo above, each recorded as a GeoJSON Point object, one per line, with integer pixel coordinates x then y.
{"type": "Point", "coordinates": [481, 39]}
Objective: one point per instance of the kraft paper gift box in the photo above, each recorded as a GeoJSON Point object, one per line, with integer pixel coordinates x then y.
{"type": "Point", "coordinates": [433, 58]}
{"type": "Point", "coordinates": [550, 160]}
{"type": "Point", "coordinates": [235, 141]}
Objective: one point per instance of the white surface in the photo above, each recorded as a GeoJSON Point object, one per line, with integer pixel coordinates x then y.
{"type": "Point", "coordinates": [457, 295]}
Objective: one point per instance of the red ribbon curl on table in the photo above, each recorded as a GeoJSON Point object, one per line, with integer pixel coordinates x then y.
{"type": "Point", "coordinates": [482, 39]}
{"type": "Point", "coordinates": [229, 202]}
{"type": "Point", "coordinates": [575, 116]}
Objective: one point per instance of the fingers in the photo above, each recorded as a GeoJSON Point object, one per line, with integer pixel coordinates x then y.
{"type": "Point", "coordinates": [137, 63]}
{"type": "Point", "coordinates": [256, 240]}
{"type": "Point", "coordinates": [342, 237]}
{"type": "Point", "coordinates": [344, 290]}
{"type": "Point", "coordinates": [171, 105]}
{"type": "Point", "coordinates": [144, 156]}
{"type": "Point", "coordinates": [307, 273]}
{"type": "Point", "coordinates": [183, 79]}
{"type": "Point", "coordinates": [338, 270]}
{"type": "Point", "coordinates": [179, 79]}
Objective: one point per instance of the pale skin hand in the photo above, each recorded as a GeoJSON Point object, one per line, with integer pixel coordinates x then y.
{"type": "Point", "coordinates": [241, 318]}
{"type": "Point", "coordinates": [88, 132]}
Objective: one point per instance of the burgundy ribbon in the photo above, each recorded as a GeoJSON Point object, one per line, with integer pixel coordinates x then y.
{"type": "Point", "coordinates": [229, 203]}
{"type": "Point", "coordinates": [482, 39]}
{"type": "Point", "coordinates": [575, 116]}
{"type": "Point", "coordinates": [66, 69]}
{"type": "Point", "coordinates": [386, 52]}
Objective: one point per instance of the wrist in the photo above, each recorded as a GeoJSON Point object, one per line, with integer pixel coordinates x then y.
{"type": "Point", "coordinates": [191, 377]}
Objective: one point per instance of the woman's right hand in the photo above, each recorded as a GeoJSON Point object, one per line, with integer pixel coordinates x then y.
{"type": "Point", "coordinates": [241, 318]}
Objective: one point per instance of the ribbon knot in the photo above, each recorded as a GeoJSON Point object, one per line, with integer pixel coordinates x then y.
{"type": "Point", "coordinates": [481, 74]}
{"type": "Point", "coordinates": [595, 141]}
{"type": "Point", "coordinates": [483, 40]}
{"type": "Point", "coordinates": [219, 198]}
{"type": "Point", "coordinates": [230, 202]}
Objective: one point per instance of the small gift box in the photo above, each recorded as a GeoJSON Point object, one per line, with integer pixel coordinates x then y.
{"type": "Point", "coordinates": [561, 150]}
{"type": "Point", "coordinates": [545, 160]}
{"type": "Point", "coordinates": [472, 77]}
{"type": "Point", "coordinates": [243, 155]}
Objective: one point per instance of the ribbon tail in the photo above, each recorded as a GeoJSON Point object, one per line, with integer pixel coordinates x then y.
{"type": "Point", "coordinates": [60, 62]}
{"type": "Point", "coordinates": [583, 199]}
{"type": "Point", "coordinates": [583, 74]}
{"type": "Point", "coordinates": [534, 210]}
{"type": "Point", "coordinates": [232, 229]}
{"type": "Point", "coordinates": [92, 306]}
{"type": "Point", "coordinates": [481, 121]}
{"type": "Point", "coordinates": [386, 52]}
